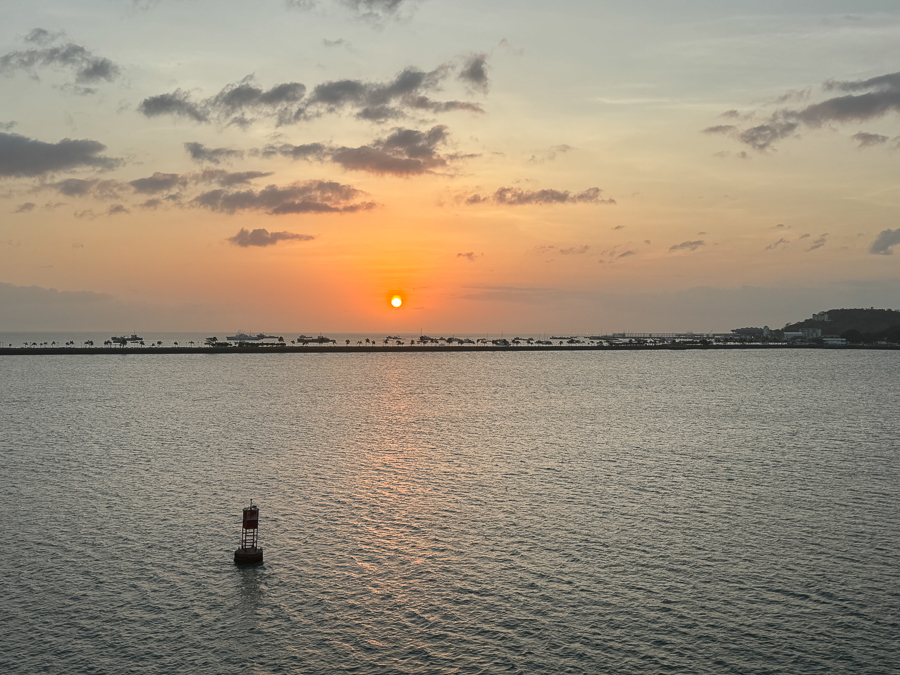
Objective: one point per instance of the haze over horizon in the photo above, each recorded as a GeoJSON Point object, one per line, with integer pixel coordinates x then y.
{"type": "Point", "coordinates": [284, 165]}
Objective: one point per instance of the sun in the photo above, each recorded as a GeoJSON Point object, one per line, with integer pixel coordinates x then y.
{"type": "Point", "coordinates": [396, 301]}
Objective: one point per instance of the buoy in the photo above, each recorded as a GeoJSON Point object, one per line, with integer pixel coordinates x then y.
{"type": "Point", "coordinates": [249, 553]}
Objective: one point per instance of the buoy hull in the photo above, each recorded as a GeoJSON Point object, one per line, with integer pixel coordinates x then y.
{"type": "Point", "coordinates": [248, 556]}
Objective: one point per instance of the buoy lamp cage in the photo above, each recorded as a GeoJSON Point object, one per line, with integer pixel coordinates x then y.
{"type": "Point", "coordinates": [249, 553]}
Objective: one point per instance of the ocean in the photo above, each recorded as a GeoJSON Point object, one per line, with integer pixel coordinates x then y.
{"type": "Point", "coordinates": [524, 512]}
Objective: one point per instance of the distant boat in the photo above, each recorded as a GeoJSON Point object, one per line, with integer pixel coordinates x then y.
{"type": "Point", "coordinates": [122, 340]}
{"type": "Point", "coordinates": [305, 340]}
{"type": "Point", "coordinates": [244, 337]}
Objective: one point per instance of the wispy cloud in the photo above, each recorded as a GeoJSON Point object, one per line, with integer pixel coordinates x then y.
{"type": "Point", "coordinates": [511, 196]}
{"type": "Point", "coordinates": [860, 101]}
{"type": "Point", "coordinates": [687, 246]}
{"type": "Point", "coordinates": [262, 237]}
{"type": "Point", "coordinates": [50, 52]}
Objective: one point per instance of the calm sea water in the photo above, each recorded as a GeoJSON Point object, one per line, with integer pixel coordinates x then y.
{"type": "Point", "coordinates": [686, 512]}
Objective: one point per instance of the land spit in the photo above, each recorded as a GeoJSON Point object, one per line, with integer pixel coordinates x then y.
{"type": "Point", "coordinates": [358, 349]}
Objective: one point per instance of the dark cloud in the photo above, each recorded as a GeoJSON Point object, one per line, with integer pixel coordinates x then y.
{"type": "Point", "coordinates": [309, 197]}
{"type": "Point", "coordinates": [155, 185]}
{"type": "Point", "coordinates": [200, 153]}
{"type": "Point", "coordinates": [470, 256]}
{"type": "Point", "coordinates": [87, 67]}
{"type": "Point", "coordinates": [627, 254]}
{"type": "Point", "coordinates": [780, 242]}
{"type": "Point", "coordinates": [474, 72]}
{"type": "Point", "coordinates": [158, 182]}
{"type": "Point", "coordinates": [511, 196]}
{"type": "Point", "coordinates": [863, 100]}
{"type": "Point", "coordinates": [865, 140]}
{"type": "Point", "coordinates": [263, 237]}
{"type": "Point", "coordinates": [116, 209]}
{"type": "Point", "coordinates": [177, 104]}
{"type": "Point", "coordinates": [885, 242]}
{"type": "Point", "coordinates": [244, 102]}
{"type": "Point", "coordinates": [88, 187]}
{"type": "Point", "coordinates": [22, 157]}
{"type": "Point", "coordinates": [687, 246]}
{"type": "Point", "coordinates": [404, 152]}
{"type": "Point", "coordinates": [7, 126]}
{"type": "Point", "coordinates": [25, 208]}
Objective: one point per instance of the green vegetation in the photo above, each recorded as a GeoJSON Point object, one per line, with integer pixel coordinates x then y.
{"type": "Point", "coordinates": [856, 325]}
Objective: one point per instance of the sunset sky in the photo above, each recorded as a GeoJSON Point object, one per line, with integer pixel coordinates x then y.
{"type": "Point", "coordinates": [574, 167]}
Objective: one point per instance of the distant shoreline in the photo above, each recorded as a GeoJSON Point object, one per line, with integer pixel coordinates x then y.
{"type": "Point", "coordinates": [358, 349]}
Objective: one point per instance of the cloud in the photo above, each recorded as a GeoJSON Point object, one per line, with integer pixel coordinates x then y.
{"type": "Point", "coordinates": [626, 254]}
{"type": "Point", "coordinates": [25, 208]}
{"type": "Point", "coordinates": [158, 182]}
{"type": "Point", "coordinates": [200, 153]}
{"type": "Point", "coordinates": [866, 140]}
{"type": "Point", "coordinates": [177, 104]}
{"type": "Point", "coordinates": [404, 152]}
{"type": "Point", "coordinates": [551, 154]}
{"type": "Point", "coordinates": [474, 72]}
{"type": "Point", "coordinates": [24, 157]}
{"type": "Point", "coordinates": [862, 100]}
{"type": "Point", "coordinates": [687, 246]}
{"type": "Point", "coordinates": [312, 197]}
{"type": "Point", "coordinates": [228, 178]}
{"type": "Point", "coordinates": [511, 196]}
{"type": "Point", "coordinates": [244, 102]}
{"type": "Point", "coordinates": [575, 250]}
{"type": "Point", "coordinates": [113, 210]}
{"type": "Point", "coordinates": [87, 67]}
{"type": "Point", "coordinates": [262, 237]}
{"type": "Point", "coordinates": [470, 256]}
{"type": "Point", "coordinates": [88, 187]}
{"type": "Point", "coordinates": [818, 243]}
{"type": "Point", "coordinates": [308, 151]}
{"type": "Point", "coordinates": [885, 242]}
{"type": "Point", "coordinates": [780, 242]}
{"type": "Point", "coordinates": [374, 11]}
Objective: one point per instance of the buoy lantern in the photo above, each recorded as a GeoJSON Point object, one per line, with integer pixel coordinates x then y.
{"type": "Point", "coordinates": [249, 553]}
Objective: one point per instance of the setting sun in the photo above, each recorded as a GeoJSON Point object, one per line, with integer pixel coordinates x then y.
{"type": "Point", "coordinates": [396, 301]}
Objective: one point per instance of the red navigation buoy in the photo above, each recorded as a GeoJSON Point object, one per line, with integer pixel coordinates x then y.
{"type": "Point", "coordinates": [249, 553]}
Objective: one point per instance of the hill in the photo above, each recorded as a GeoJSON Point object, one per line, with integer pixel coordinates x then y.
{"type": "Point", "coordinates": [876, 323]}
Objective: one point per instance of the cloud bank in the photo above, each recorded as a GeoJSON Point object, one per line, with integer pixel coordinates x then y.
{"type": "Point", "coordinates": [860, 101]}
{"type": "Point", "coordinates": [242, 103]}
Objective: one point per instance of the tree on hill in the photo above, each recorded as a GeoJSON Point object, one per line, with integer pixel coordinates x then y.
{"type": "Point", "coordinates": [871, 324]}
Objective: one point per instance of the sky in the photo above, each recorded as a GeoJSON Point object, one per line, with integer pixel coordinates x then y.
{"type": "Point", "coordinates": [577, 167]}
